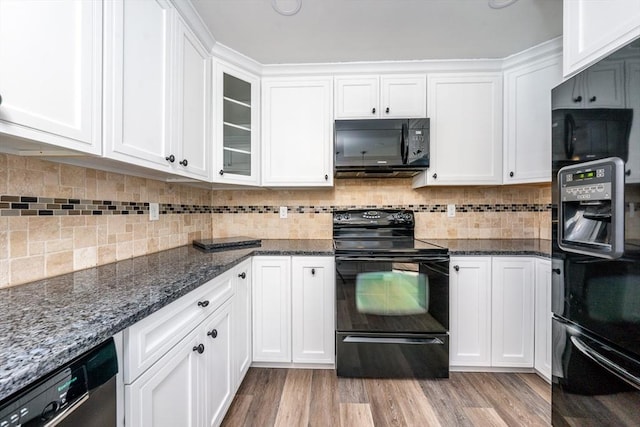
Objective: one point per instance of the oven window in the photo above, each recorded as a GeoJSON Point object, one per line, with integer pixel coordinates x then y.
{"type": "Point", "coordinates": [392, 293]}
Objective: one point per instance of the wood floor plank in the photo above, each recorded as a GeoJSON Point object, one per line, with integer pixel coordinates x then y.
{"type": "Point", "coordinates": [237, 414]}
{"type": "Point", "coordinates": [512, 401]}
{"type": "Point", "coordinates": [355, 415]}
{"type": "Point", "coordinates": [485, 417]}
{"type": "Point", "coordinates": [295, 399]}
{"type": "Point", "coordinates": [324, 409]}
{"type": "Point", "coordinates": [414, 405]}
{"type": "Point", "coordinates": [351, 390]}
{"type": "Point", "coordinates": [384, 404]}
{"type": "Point", "coordinates": [538, 385]}
{"type": "Point", "coordinates": [267, 391]}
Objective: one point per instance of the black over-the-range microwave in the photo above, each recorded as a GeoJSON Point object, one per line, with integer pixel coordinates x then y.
{"type": "Point", "coordinates": [381, 147]}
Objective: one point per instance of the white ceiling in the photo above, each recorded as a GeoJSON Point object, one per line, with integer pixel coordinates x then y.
{"type": "Point", "coordinates": [378, 30]}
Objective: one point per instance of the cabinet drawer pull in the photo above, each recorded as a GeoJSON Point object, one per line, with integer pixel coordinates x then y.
{"type": "Point", "coordinates": [387, 110]}
{"type": "Point", "coordinates": [557, 271]}
{"type": "Point", "coordinates": [592, 99]}
{"type": "Point", "coordinates": [203, 303]}
{"type": "Point", "coordinates": [577, 99]}
{"type": "Point", "coordinates": [373, 110]}
{"type": "Point", "coordinates": [213, 333]}
{"type": "Point", "coordinates": [434, 176]}
{"type": "Point", "coordinates": [199, 348]}
{"type": "Point", "coordinates": [456, 267]}
{"type": "Point", "coordinates": [313, 271]}
{"type": "Point", "coordinates": [242, 275]}
{"type": "Point", "coordinates": [184, 163]}
{"type": "Point", "coordinates": [326, 177]}
{"type": "Point", "coordinates": [511, 174]}
{"type": "Point", "coordinates": [171, 158]}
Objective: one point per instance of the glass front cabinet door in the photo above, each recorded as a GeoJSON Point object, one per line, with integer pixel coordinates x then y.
{"type": "Point", "coordinates": [237, 130]}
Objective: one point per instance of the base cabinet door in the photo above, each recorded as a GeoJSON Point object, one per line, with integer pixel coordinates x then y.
{"type": "Point", "coordinates": [241, 324]}
{"type": "Point", "coordinates": [271, 309]}
{"type": "Point", "coordinates": [312, 309]}
{"type": "Point", "coordinates": [470, 315]}
{"type": "Point", "coordinates": [542, 361]}
{"type": "Point", "coordinates": [168, 394]}
{"type": "Point", "coordinates": [216, 338]}
{"type": "Point", "coordinates": [512, 297]}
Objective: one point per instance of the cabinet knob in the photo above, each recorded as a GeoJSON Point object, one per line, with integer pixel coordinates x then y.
{"type": "Point", "coordinates": [592, 99]}
{"type": "Point", "coordinates": [313, 271]}
{"type": "Point", "coordinates": [434, 176]}
{"type": "Point", "coordinates": [0, 99]}
{"type": "Point", "coordinates": [213, 333]}
{"type": "Point", "coordinates": [221, 172]}
{"type": "Point", "coordinates": [326, 177]}
{"type": "Point", "coordinates": [373, 110]}
{"type": "Point", "coordinates": [627, 172]}
{"type": "Point", "coordinates": [184, 163]}
{"type": "Point", "coordinates": [511, 174]}
{"type": "Point", "coordinates": [203, 303]}
{"type": "Point", "coordinates": [242, 275]}
{"type": "Point", "coordinates": [171, 158]}
{"type": "Point", "coordinates": [456, 267]}
{"type": "Point", "coordinates": [387, 110]}
{"type": "Point", "coordinates": [577, 99]}
{"type": "Point", "coordinates": [199, 348]}
{"type": "Point", "coordinates": [557, 271]}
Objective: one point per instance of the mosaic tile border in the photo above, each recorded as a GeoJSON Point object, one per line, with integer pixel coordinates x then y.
{"type": "Point", "coordinates": [48, 206]}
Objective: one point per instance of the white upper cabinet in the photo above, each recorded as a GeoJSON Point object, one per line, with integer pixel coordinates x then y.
{"type": "Point", "coordinates": [51, 72]}
{"type": "Point", "coordinates": [602, 86]}
{"type": "Point", "coordinates": [138, 82]}
{"type": "Point", "coordinates": [297, 132]}
{"type": "Point", "coordinates": [592, 29]}
{"type": "Point", "coordinates": [237, 126]}
{"type": "Point", "coordinates": [633, 101]}
{"type": "Point", "coordinates": [527, 120]}
{"type": "Point", "coordinates": [386, 97]}
{"type": "Point", "coordinates": [192, 137]}
{"type": "Point", "coordinates": [465, 111]}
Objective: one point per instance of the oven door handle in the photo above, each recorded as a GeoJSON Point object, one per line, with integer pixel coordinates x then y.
{"type": "Point", "coordinates": [392, 259]}
{"type": "Point", "coordinates": [392, 340]}
{"type": "Point", "coordinates": [606, 363]}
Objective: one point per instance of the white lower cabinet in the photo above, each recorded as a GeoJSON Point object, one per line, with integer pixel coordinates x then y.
{"type": "Point", "coordinates": [512, 304]}
{"type": "Point", "coordinates": [241, 323]}
{"type": "Point", "coordinates": [470, 311]}
{"type": "Point", "coordinates": [542, 360]}
{"type": "Point", "coordinates": [183, 363]}
{"type": "Point", "coordinates": [293, 309]}
{"type": "Point", "coordinates": [492, 311]}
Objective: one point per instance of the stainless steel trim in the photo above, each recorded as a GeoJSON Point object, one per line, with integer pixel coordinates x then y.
{"type": "Point", "coordinates": [609, 365]}
{"type": "Point", "coordinates": [387, 258]}
{"type": "Point", "coordinates": [391, 340]}
{"type": "Point", "coordinates": [64, 414]}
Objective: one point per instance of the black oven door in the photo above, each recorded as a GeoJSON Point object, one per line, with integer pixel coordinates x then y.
{"type": "Point", "coordinates": [602, 296]}
{"type": "Point", "coordinates": [392, 317]}
{"type": "Point", "coordinates": [594, 384]}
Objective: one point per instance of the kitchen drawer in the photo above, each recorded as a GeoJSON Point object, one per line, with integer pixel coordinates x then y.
{"type": "Point", "coordinates": [152, 337]}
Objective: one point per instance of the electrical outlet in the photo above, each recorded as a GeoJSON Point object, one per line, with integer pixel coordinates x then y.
{"type": "Point", "coordinates": [451, 210]}
{"type": "Point", "coordinates": [154, 211]}
{"type": "Point", "coordinates": [283, 212]}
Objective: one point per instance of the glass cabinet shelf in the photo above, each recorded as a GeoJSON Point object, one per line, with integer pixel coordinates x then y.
{"type": "Point", "coordinates": [236, 123]}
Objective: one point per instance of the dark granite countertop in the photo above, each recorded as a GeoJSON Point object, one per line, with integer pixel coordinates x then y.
{"type": "Point", "coordinates": [496, 247]}
{"type": "Point", "coordinates": [50, 322]}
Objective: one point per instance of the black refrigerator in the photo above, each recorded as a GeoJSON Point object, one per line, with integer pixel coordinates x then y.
{"type": "Point", "coordinates": [596, 244]}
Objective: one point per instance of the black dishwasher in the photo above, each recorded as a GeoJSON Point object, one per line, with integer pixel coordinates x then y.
{"type": "Point", "coordinates": [80, 393]}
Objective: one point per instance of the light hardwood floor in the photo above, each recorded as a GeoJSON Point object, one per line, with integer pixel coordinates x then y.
{"type": "Point", "coordinates": [305, 397]}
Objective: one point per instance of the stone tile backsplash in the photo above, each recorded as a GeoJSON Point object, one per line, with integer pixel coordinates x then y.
{"type": "Point", "coordinates": [57, 218]}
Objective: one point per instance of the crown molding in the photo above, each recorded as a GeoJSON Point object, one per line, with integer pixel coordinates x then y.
{"type": "Point", "coordinates": [195, 23]}
{"type": "Point", "coordinates": [542, 51]}
{"type": "Point", "coordinates": [233, 57]}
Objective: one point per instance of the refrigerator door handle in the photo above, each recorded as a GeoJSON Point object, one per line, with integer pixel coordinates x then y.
{"type": "Point", "coordinates": [606, 363]}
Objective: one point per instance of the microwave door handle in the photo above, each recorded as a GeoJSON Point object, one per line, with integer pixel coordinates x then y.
{"type": "Point", "coordinates": [569, 131]}
{"type": "Point", "coordinates": [404, 146]}
{"type": "Point", "coordinates": [597, 216]}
